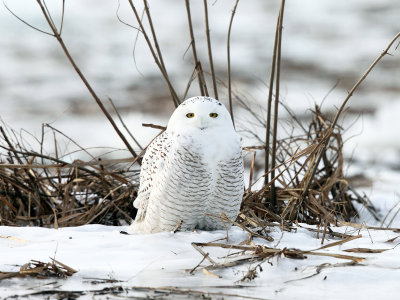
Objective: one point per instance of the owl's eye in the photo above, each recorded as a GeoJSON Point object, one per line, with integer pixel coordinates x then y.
{"type": "Point", "coordinates": [190, 115]}
{"type": "Point", "coordinates": [213, 115]}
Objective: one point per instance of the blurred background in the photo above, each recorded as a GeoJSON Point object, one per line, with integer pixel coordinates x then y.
{"type": "Point", "coordinates": [327, 46]}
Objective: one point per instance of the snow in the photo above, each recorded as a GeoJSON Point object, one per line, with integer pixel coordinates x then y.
{"type": "Point", "coordinates": [323, 41]}
{"type": "Point", "coordinates": [164, 259]}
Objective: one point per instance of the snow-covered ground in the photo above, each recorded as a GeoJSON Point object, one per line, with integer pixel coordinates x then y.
{"type": "Point", "coordinates": [324, 41]}
{"type": "Point", "coordinates": [100, 253]}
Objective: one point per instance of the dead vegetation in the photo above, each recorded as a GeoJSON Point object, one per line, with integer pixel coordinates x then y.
{"type": "Point", "coordinates": [303, 182]}
{"type": "Point", "coordinates": [320, 197]}
{"type": "Point", "coordinates": [42, 190]}
{"type": "Point", "coordinates": [253, 253]}
{"type": "Point", "coordinates": [41, 270]}
{"type": "Point", "coordinates": [45, 190]}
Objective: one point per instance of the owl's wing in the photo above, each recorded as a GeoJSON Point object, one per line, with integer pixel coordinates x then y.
{"type": "Point", "coordinates": [152, 164]}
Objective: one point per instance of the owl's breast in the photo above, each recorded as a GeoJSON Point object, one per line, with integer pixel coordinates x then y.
{"type": "Point", "coordinates": [211, 146]}
{"type": "Point", "coordinates": [196, 179]}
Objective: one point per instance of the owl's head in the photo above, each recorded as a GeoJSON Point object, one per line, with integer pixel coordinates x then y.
{"type": "Point", "coordinates": [200, 113]}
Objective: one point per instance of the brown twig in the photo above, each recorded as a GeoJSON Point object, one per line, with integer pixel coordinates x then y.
{"type": "Point", "coordinates": [57, 35]}
{"type": "Point", "coordinates": [123, 123]}
{"type": "Point", "coordinates": [174, 96]}
{"type": "Point", "coordinates": [205, 255]}
{"type": "Point", "coordinates": [210, 50]}
{"type": "Point", "coordinates": [154, 126]}
{"type": "Point", "coordinates": [276, 104]}
{"type": "Point", "coordinates": [269, 104]}
{"type": "Point", "coordinates": [343, 105]}
{"type": "Point", "coordinates": [193, 44]}
{"type": "Point", "coordinates": [228, 50]}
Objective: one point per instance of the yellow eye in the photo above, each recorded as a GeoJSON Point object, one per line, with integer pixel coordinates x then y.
{"type": "Point", "coordinates": [190, 115]}
{"type": "Point", "coordinates": [213, 115]}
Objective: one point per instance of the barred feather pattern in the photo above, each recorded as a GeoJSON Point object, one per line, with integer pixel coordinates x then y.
{"type": "Point", "coordinates": [189, 178]}
{"type": "Point", "coordinates": [177, 185]}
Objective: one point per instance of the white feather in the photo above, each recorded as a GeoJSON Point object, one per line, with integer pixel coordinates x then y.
{"type": "Point", "coordinates": [191, 171]}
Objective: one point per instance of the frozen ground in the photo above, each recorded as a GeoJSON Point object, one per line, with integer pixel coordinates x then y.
{"type": "Point", "coordinates": [161, 260]}
{"type": "Point", "coordinates": [324, 41]}
{"type": "Point", "coordinates": [159, 265]}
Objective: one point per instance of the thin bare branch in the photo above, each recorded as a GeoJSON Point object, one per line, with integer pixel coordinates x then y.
{"type": "Point", "coordinates": [276, 104]}
{"type": "Point", "coordinates": [48, 13]}
{"type": "Point", "coordinates": [70, 139]}
{"type": "Point", "coordinates": [339, 112]}
{"type": "Point", "coordinates": [200, 74]}
{"type": "Point", "coordinates": [269, 107]}
{"type": "Point", "coordinates": [138, 31]}
{"type": "Point", "coordinates": [62, 16]}
{"type": "Point", "coordinates": [210, 50]}
{"type": "Point", "coordinates": [174, 96]}
{"type": "Point", "coordinates": [123, 124]}
{"type": "Point", "coordinates": [193, 44]}
{"type": "Point", "coordinates": [126, 23]}
{"type": "Point", "coordinates": [191, 79]}
{"type": "Point", "coordinates": [228, 50]}
{"type": "Point", "coordinates": [23, 21]}
{"type": "Point", "coordinates": [159, 53]}
{"type": "Point", "coordinates": [153, 33]}
{"type": "Point", "coordinates": [83, 78]}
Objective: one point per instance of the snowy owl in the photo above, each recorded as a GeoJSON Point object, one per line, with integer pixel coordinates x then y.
{"type": "Point", "coordinates": [192, 172]}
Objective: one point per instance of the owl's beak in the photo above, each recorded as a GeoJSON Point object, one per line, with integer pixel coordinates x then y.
{"type": "Point", "coordinates": [202, 124]}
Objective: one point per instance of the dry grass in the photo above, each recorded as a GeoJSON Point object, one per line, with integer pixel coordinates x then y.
{"type": "Point", "coordinates": [43, 190]}
{"type": "Point", "coordinates": [320, 198]}
{"type": "Point", "coordinates": [41, 270]}
{"type": "Point", "coordinates": [303, 180]}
